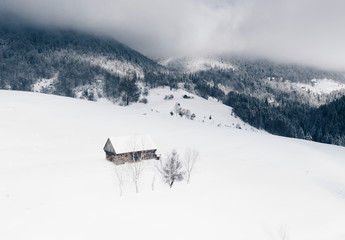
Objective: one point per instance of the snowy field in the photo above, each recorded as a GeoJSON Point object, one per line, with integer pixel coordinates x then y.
{"type": "Point", "coordinates": [320, 86]}
{"type": "Point", "coordinates": [56, 184]}
{"type": "Point", "coordinates": [209, 111]}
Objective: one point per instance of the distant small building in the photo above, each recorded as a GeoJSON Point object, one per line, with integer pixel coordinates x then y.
{"type": "Point", "coordinates": [130, 148]}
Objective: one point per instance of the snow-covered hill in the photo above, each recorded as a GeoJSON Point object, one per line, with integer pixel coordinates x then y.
{"type": "Point", "coordinates": [211, 111]}
{"type": "Point", "coordinates": [191, 65]}
{"type": "Point", "coordinates": [56, 184]}
{"type": "Point", "coordinates": [63, 62]}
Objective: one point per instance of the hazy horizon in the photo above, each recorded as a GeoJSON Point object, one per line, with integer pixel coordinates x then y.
{"type": "Point", "coordinates": [302, 32]}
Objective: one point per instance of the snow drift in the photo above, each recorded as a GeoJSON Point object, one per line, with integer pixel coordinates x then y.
{"type": "Point", "coordinates": [56, 184]}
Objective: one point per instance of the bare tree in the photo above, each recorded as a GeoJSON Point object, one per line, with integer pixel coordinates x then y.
{"type": "Point", "coordinates": [283, 233]}
{"type": "Point", "coordinates": [153, 183]}
{"type": "Point", "coordinates": [136, 165]}
{"type": "Point", "coordinates": [135, 169]}
{"type": "Point", "coordinates": [191, 156]}
{"type": "Point", "coordinates": [120, 177]}
{"type": "Point", "coordinates": [171, 169]}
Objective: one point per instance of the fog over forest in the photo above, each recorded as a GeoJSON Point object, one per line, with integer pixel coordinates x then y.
{"type": "Point", "coordinates": [304, 31]}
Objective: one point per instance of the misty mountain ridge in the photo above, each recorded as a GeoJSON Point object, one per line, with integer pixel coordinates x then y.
{"type": "Point", "coordinates": [71, 59]}
{"type": "Point", "coordinates": [298, 72]}
{"type": "Point", "coordinates": [30, 55]}
{"type": "Point", "coordinates": [78, 64]}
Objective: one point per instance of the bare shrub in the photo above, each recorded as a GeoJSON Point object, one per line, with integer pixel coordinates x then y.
{"type": "Point", "coordinates": [191, 156]}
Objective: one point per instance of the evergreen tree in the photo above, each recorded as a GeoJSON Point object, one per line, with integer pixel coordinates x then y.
{"type": "Point", "coordinates": [129, 90]}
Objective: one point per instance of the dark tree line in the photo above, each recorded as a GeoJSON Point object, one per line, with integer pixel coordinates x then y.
{"type": "Point", "coordinates": [263, 68]}
{"type": "Point", "coordinates": [325, 124]}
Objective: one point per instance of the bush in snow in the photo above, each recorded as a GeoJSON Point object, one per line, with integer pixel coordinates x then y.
{"type": "Point", "coordinates": [143, 100]}
{"type": "Point", "coordinates": [168, 97]}
{"type": "Point", "coordinates": [179, 111]}
{"type": "Point", "coordinates": [185, 112]}
{"type": "Point", "coordinates": [171, 169]}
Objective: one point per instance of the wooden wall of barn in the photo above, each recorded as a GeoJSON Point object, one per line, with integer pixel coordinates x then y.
{"type": "Point", "coordinates": [130, 157]}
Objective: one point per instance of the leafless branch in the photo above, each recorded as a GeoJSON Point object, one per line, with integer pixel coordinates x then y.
{"type": "Point", "coordinates": [136, 167]}
{"type": "Point", "coordinates": [120, 177]}
{"type": "Point", "coordinates": [191, 156]}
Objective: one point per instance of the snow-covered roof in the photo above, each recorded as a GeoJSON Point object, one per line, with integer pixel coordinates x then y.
{"type": "Point", "coordinates": [125, 144]}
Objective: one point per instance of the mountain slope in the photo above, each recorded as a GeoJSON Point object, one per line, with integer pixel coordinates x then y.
{"type": "Point", "coordinates": [55, 182]}
{"type": "Point", "coordinates": [179, 103]}
{"type": "Point", "coordinates": [70, 59]}
{"type": "Point", "coordinates": [276, 97]}
{"type": "Point", "coordinates": [283, 99]}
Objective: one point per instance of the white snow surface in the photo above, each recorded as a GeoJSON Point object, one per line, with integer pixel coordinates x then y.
{"type": "Point", "coordinates": [209, 111]}
{"type": "Point", "coordinates": [191, 65]}
{"type": "Point", "coordinates": [56, 184]}
{"type": "Point", "coordinates": [125, 144]}
{"type": "Point", "coordinates": [320, 86]}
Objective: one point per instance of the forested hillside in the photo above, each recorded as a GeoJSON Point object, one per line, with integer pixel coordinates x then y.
{"type": "Point", "coordinates": [293, 119]}
{"type": "Point", "coordinates": [272, 96]}
{"type": "Point", "coordinates": [69, 59]}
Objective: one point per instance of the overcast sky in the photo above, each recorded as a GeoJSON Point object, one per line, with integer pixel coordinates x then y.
{"type": "Point", "coordinates": [301, 31]}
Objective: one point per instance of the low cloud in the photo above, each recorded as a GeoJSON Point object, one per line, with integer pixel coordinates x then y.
{"type": "Point", "coordinates": [304, 31]}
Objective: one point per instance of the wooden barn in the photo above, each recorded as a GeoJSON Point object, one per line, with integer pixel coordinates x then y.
{"type": "Point", "coordinates": [130, 148]}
